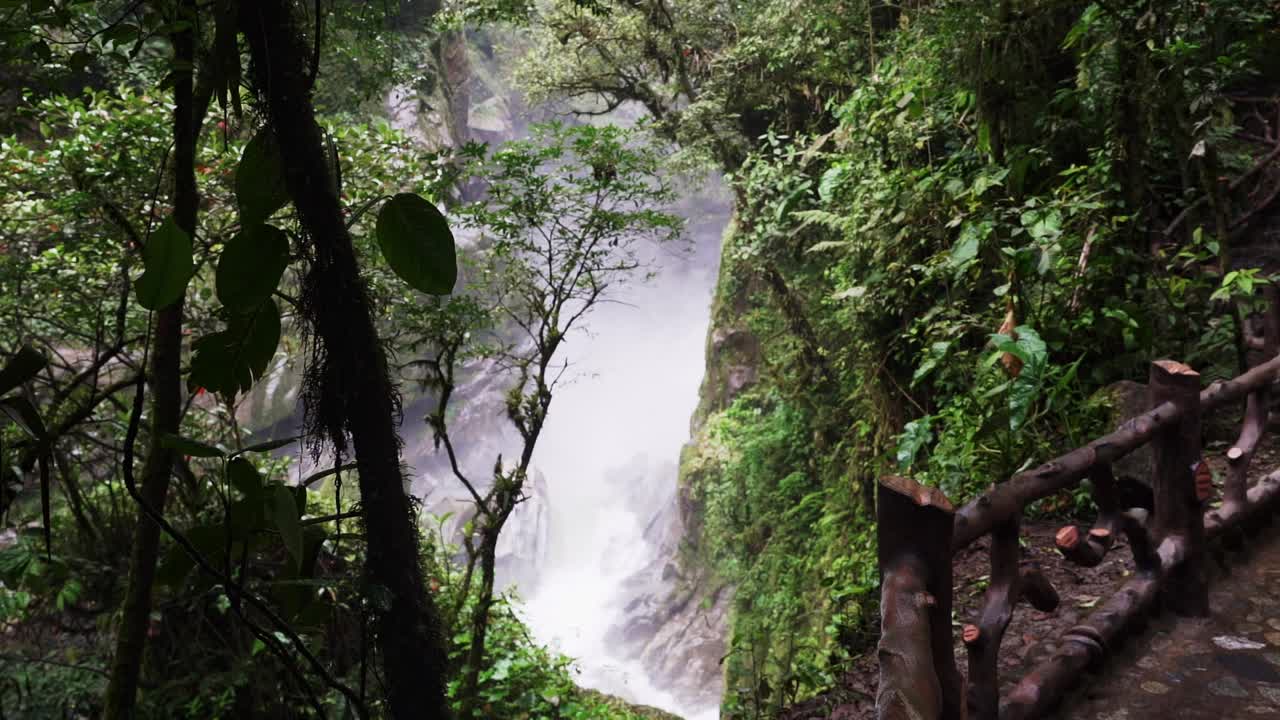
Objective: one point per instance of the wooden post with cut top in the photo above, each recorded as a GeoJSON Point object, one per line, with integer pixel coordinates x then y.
{"type": "Point", "coordinates": [918, 676]}
{"type": "Point", "coordinates": [1179, 517]}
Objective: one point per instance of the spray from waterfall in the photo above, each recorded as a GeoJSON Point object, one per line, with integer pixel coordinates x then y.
{"type": "Point", "coordinates": [609, 455]}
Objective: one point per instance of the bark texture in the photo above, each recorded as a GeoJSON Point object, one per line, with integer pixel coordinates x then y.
{"type": "Point", "coordinates": [1178, 515]}
{"type": "Point", "coordinates": [166, 404]}
{"type": "Point", "coordinates": [350, 394]}
{"type": "Point", "coordinates": [918, 676]}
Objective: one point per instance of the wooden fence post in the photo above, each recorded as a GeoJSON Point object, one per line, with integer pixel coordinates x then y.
{"type": "Point", "coordinates": [1179, 518]}
{"type": "Point", "coordinates": [1257, 408]}
{"type": "Point", "coordinates": [1012, 581]}
{"type": "Point", "coordinates": [918, 676]}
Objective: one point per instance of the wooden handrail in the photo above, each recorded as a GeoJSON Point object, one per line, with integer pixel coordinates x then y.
{"type": "Point", "coordinates": [980, 515]}
{"type": "Point", "coordinates": [919, 535]}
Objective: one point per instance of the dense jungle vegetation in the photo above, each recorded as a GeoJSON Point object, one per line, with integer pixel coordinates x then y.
{"type": "Point", "coordinates": [955, 224]}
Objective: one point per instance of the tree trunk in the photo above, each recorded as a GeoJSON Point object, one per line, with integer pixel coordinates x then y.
{"type": "Point", "coordinates": [166, 397]}
{"type": "Point", "coordinates": [349, 386]}
{"type": "Point", "coordinates": [479, 622]}
{"type": "Point", "coordinates": [455, 69]}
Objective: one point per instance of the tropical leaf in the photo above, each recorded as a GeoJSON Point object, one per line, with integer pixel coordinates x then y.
{"type": "Point", "coordinates": [417, 244]}
{"type": "Point", "coordinates": [168, 267]}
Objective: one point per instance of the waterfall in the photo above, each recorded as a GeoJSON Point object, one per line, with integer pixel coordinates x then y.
{"type": "Point", "coordinates": [592, 549]}
{"type": "Point", "coordinates": [609, 453]}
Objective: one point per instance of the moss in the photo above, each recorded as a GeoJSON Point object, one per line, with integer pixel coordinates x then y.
{"type": "Point", "coordinates": [623, 708]}
{"type": "Point", "coordinates": [732, 350]}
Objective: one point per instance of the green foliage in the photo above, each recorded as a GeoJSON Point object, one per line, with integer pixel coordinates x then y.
{"type": "Point", "coordinates": [260, 184]}
{"type": "Point", "coordinates": [250, 267]}
{"type": "Point", "coordinates": [168, 267]}
{"type": "Point", "coordinates": [416, 241]}
{"type": "Point", "coordinates": [802, 566]}
{"type": "Point", "coordinates": [964, 227]}
{"type": "Point", "coordinates": [955, 222]}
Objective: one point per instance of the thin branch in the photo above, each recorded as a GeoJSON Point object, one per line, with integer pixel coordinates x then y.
{"type": "Point", "coordinates": [131, 436]}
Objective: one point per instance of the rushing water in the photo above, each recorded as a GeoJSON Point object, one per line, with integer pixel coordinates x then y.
{"type": "Point", "coordinates": [604, 472]}
{"type": "Point", "coordinates": [609, 453]}
{"type": "Point", "coordinates": [605, 467]}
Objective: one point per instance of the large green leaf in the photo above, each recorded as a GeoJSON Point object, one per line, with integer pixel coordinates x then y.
{"type": "Point", "coordinates": [24, 365]}
{"type": "Point", "coordinates": [251, 266]}
{"type": "Point", "coordinates": [25, 415]}
{"type": "Point", "coordinates": [260, 187]}
{"type": "Point", "coordinates": [284, 510]}
{"type": "Point", "coordinates": [937, 352]}
{"type": "Point", "coordinates": [917, 434]}
{"type": "Point", "coordinates": [967, 245]}
{"type": "Point", "coordinates": [187, 446]}
{"type": "Point", "coordinates": [245, 478]}
{"type": "Point", "coordinates": [416, 241]}
{"type": "Point", "coordinates": [167, 267]}
{"type": "Point", "coordinates": [1026, 387]}
{"type": "Point", "coordinates": [230, 361]}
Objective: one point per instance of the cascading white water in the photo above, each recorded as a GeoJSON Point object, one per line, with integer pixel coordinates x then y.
{"type": "Point", "coordinates": [603, 488]}
{"type": "Point", "coordinates": [609, 455]}
{"type": "Point", "coordinates": [604, 471]}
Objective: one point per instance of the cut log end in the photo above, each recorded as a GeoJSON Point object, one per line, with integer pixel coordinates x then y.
{"type": "Point", "coordinates": [1234, 454]}
{"type": "Point", "coordinates": [971, 634]}
{"type": "Point", "coordinates": [1173, 367]}
{"type": "Point", "coordinates": [919, 494]}
{"type": "Point", "coordinates": [1085, 550]}
{"type": "Point", "coordinates": [1204, 481]}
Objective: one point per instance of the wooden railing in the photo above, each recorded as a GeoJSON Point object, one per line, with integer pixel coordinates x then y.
{"type": "Point", "coordinates": [919, 532]}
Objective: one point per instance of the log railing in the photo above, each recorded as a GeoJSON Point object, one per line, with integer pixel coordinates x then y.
{"type": "Point", "coordinates": [919, 532]}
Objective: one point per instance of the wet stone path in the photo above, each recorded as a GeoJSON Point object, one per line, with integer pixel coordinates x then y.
{"type": "Point", "coordinates": [1222, 667]}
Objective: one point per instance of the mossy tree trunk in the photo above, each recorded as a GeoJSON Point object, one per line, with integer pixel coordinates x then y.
{"type": "Point", "coordinates": [349, 387]}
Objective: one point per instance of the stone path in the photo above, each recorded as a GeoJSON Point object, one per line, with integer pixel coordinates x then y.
{"type": "Point", "coordinates": [1222, 667]}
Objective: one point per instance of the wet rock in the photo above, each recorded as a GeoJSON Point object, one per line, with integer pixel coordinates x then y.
{"type": "Point", "coordinates": [1229, 642]}
{"type": "Point", "coordinates": [1228, 687]}
{"type": "Point", "coordinates": [1249, 667]}
{"type": "Point", "coordinates": [1272, 694]}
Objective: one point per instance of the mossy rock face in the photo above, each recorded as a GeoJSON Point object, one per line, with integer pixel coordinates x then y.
{"type": "Point", "coordinates": [618, 704]}
{"type": "Point", "coordinates": [733, 351]}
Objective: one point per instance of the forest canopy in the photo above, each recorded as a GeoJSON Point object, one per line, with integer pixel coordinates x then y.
{"type": "Point", "coordinates": [244, 245]}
